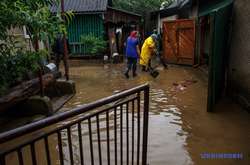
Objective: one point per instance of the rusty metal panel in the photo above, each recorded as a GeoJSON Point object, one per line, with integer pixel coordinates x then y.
{"type": "Point", "coordinates": [179, 41]}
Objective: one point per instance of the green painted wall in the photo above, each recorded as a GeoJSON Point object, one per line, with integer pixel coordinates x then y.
{"type": "Point", "coordinates": [219, 54]}
{"type": "Point", "coordinates": [82, 25]}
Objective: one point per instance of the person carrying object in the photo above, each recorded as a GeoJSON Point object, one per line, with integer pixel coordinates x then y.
{"type": "Point", "coordinates": [132, 53]}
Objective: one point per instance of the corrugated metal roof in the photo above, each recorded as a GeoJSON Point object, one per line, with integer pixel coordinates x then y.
{"type": "Point", "coordinates": [125, 11]}
{"type": "Point", "coordinates": [81, 6]}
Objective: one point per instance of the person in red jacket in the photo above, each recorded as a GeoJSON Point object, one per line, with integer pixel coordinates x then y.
{"type": "Point", "coordinates": [132, 53]}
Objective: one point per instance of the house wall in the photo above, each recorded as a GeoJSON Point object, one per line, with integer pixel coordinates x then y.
{"type": "Point", "coordinates": [84, 24]}
{"type": "Point", "coordinates": [23, 40]}
{"type": "Point", "coordinates": [161, 20]}
{"type": "Point", "coordinates": [239, 63]}
{"type": "Point", "coordinates": [194, 12]}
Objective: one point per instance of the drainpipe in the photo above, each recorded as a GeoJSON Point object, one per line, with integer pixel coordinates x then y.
{"type": "Point", "coordinates": [66, 65]}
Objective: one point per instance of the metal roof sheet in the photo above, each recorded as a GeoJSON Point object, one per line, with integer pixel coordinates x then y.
{"type": "Point", "coordinates": [80, 6]}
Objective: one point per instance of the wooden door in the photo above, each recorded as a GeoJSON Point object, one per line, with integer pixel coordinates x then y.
{"type": "Point", "coordinates": [179, 41]}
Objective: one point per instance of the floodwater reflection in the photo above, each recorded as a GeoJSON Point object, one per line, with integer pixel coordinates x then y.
{"type": "Point", "coordinates": [180, 129]}
{"type": "Point", "coordinates": [167, 139]}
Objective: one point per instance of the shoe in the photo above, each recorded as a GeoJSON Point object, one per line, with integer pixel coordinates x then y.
{"type": "Point", "coordinates": [126, 75]}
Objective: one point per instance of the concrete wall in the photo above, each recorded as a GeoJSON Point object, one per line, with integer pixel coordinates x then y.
{"type": "Point", "coordinates": [194, 12]}
{"type": "Point", "coordinates": [239, 63]}
{"type": "Point", "coordinates": [23, 39]}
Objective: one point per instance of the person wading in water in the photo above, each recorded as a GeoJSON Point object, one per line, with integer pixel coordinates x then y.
{"type": "Point", "coordinates": [148, 50]}
{"type": "Point", "coordinates": [132, 53]}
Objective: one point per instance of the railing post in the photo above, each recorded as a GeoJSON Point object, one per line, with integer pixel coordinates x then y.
{"type": "Point", "coordinates": [145, 126]}
{"type": "Point", "coordinates": [142, 147]}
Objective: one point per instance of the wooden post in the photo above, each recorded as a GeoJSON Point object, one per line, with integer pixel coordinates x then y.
{"type": "Point", "coordinates": [40, 71]}
{"type": "Point", "coordinates": [65, 52]}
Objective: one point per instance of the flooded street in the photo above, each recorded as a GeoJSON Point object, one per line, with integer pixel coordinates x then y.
{"type": "Point", "coordinates": [65, 98]}
{"type": "Point", "coordinates": [180, 129]}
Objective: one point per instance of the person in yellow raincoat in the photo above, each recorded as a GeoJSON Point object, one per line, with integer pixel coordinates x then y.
{"type": "Point", "coordinates": [148, 50]}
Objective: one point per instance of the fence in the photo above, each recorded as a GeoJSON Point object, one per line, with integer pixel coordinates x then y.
{"type": "Point", "coordinates": [113, 130]}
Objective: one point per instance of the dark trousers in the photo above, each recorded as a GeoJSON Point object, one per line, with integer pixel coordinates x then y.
{"type": "Point", "coordinates": [161, 59]}
{"type": "Point", "coordinates": [163, 62]}
{"type": "Point", "coordinates": [58, 59]}
{"type": "Point", "coordinates": [131, 64]}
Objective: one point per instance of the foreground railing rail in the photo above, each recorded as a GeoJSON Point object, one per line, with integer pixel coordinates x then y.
{"type": "Point", "coordinates": [107, 131]}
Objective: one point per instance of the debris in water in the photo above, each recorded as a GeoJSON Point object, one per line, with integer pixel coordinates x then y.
{"type": "Point", "coordinates": [181, 86]}
{"type": "Point", "coordinates": [116, 91]}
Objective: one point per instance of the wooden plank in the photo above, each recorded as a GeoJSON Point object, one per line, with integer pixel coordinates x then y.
{"type": "Point", "coordinates": [170, 42]}
{"type": "Point", "coordinates": [179, 41]}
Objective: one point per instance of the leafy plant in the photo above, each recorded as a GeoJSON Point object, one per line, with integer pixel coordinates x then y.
{"type": "Point", "coordinates": [41, 24]}
{"type": "Point", "coordinates": [15, 67]}
{"type": "Point", "coordinates": [94, 44]}
{"type": "Point", "coordinates": [35, 15]}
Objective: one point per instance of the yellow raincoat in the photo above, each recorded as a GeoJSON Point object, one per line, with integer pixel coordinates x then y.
{"type": "Point", "coordinates": [147, 51]}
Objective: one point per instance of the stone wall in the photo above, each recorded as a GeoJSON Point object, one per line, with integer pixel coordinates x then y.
{"type": "Point", "coordinates": [239, 63]}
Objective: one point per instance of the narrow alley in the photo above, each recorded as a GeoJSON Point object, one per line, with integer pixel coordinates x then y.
{"type": "Point", "coordinates": [180, 128]}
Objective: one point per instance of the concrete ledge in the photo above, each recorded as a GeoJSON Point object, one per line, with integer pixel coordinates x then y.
{"type": "Point", "coordinates": [35, 105]}
{"type": "Point", "coordinates": [46, 106]}
{"type": "Point", "coordinates": [66, 87]}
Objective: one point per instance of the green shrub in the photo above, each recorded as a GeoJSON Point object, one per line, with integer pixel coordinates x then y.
{"type": "Point", "coordinates": [41, 24]}
{"type": "Point", "coordinates": [94, 44]}
{"type": "Point", "coordinates": [16, 65]}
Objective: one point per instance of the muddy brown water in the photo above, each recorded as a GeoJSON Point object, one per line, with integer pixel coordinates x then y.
{"type": "Point", "coordinates": [180, 129]}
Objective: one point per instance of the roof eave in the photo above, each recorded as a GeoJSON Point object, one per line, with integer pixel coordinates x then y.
{"type": "Point", "coordinates": [124, 11]}
{"type": "Point", "coordinates": [89, 12]}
